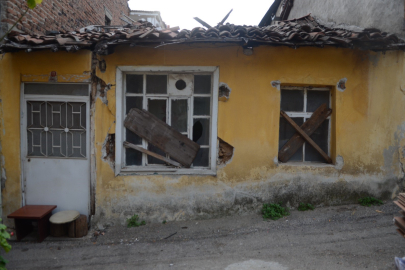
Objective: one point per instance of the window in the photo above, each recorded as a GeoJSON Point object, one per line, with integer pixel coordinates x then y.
{"type": "Point", "coordinates": [299, 103]}
{"type": "Point", "coordinates": [181, 97]}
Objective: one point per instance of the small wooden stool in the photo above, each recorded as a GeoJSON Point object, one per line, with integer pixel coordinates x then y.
{"type": "Point", "coordinates": [24, 216]}
{"type": "Point", "coordinates": [68, 223]}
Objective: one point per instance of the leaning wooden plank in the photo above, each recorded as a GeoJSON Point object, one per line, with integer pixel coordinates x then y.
{"type": "Point", "coordinates": [309, 127]}
{"type": "Point", "coordinates": [150, 153]}
{"type": "Point", "coordinates": [401, 232]}
{"type": "Point", "coordinates": [306, 137]}
{"type": "Point", "coordinates": [161, 135]}
{"type": "Point", "coordinates": [400, 223]}
{"type": "Point", "coordinates": [400, 205]}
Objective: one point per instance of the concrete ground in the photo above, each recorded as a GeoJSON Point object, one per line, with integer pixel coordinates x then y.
{"type": "Point", "coordinates": [343, 237]}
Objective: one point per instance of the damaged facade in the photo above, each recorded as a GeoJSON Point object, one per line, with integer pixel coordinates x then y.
{"type": "Point", "coordinates": [235, 114]}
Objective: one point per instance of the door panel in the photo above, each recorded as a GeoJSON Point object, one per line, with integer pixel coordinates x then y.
{"type": "Point", "coordinates": [55, 148]}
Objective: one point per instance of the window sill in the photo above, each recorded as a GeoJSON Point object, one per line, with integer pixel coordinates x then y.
{"type": "Point", "coordinates": [306, 164]}
{"type": "Point", "coordinates": [165, 171]}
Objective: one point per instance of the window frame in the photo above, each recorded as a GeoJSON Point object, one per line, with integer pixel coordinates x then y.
{"type": "Point", "coordinates": [306, 115]}
{"type": "Point", "coordinates": [120, 168]}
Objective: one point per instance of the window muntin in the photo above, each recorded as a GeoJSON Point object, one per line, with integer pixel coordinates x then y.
{"type": "Point", "coordinates": [299, 103]}
{"type": "Point", "coordinates": [183, 101]}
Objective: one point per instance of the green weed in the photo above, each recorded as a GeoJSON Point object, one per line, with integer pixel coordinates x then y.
{"type": "Point", "coordinates": [134, 222]}
{"type": "Point", "coordinates": [305, 207]}
{"type": "Point", "coordinates": [4, 235]}
{"type": "Point", "coordinates": [274, 211]}
{"type": "Point", "coordinates": [369, 201]}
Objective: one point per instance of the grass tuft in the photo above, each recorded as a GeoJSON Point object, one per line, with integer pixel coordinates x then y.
{"type": "Point", "coordinates": [305, 207]}
{"type": "Point", "coordinates": [274, 211]}
{"type": "Point", "coordinates": [133, 222]}
{"type": "Point", "coordinates": [369, 201]}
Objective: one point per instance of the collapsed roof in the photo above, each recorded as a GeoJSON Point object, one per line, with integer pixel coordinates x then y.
{"type": "Point", "coordinates": [305, 31]}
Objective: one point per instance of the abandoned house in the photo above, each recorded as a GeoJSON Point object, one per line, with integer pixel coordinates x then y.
{"type": "Point", "coordinates": [172, 125]}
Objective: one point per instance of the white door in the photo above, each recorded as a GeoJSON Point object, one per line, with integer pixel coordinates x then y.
{"type": "Point", "coordinates": [56, 145]}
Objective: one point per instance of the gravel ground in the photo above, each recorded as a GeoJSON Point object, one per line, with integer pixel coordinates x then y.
{"type": "Point", "coordinates": [343, 237]}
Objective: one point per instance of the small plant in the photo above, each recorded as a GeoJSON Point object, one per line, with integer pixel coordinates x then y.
{"type": "Point", "coordinates": [4, 235]}
{"type": "Point", "coordinates": [134, 222]}
{"type": "Point", "coordinates": [305, 207]}
{"type": "Point", "coordinates": [164, 222]}
{"type": "Point", "coordinates": [369, 201]}
{"type": "Point", "coordinates": [274, 211]}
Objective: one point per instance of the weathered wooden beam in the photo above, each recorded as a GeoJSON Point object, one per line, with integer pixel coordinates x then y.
{"type": "Point", "coordinates": [161, 135]}
{"type": "Point", "coordinates": [309, 127]}
{"type": "Point", "coordinates": [306, 137]}
{"type": "Point", "coordinates": [150, 153]}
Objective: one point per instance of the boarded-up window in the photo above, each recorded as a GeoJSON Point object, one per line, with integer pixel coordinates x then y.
{"type": "Point", "coordinates": [183, 101]}
{"type": "Point", "coordinates": [299, 103]}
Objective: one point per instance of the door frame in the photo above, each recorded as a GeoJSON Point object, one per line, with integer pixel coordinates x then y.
{"type": "Point", "coordinates": [23, 133]}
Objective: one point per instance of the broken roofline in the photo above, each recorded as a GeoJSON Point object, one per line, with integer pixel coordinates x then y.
{"type": "Point", "coordinates": [305, 31]}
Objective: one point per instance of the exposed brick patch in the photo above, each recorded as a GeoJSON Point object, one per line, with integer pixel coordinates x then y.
{"type": "Point", "coordinates": [62, 15]}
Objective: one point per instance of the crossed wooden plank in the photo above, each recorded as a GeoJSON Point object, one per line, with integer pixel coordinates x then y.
{"type": "Point", "coordinates": [303, 133]}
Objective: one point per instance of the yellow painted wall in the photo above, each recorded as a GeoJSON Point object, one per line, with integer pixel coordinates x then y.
{"type": "Point", "coordinates": [368, 129]}
{"type": "Point", "coordinates": [29, 67]}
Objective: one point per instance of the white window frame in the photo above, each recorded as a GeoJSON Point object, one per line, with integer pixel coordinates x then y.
{"type": "Point", "coordinates": [306, 115]}
{"type": "Point", "coordinates": [120, 168]}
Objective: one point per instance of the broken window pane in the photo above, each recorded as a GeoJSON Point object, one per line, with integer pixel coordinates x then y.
{"type": "Point", "coordinates": [320, 137]}
{"type": "Point", "coordinates": [158, 108]}
{"type": "Point", "coordinates": [156, 84]}
{"type": "Point", "coordinates": [132, 157]}
{"type": "Point", "coordinates": [292, 100]}
{"type": "Point", "coordinates": [133, 102]}
{"type": "Point", "coordinates": [134, 83]}
{"type": "Point", "coordinates": [202, 158]}
{"type": "Point", "coordinates": [179, 115]}
{"type": "Point", "coordinates": [202, 105]}
{"type": "Point", "coordinates": [316, 99]}
{"type": "Point", "coordinates": [201, 131]}
{"type": "Point", "coordinates": [285, 134]}
{"type": "Point", "coordinates": [202, 84]}
{"type": "Point", "coordinates": [154, 149]}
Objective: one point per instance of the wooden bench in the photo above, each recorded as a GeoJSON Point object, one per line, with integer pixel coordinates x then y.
{"type": "Point", "coordinates": [24, 217]}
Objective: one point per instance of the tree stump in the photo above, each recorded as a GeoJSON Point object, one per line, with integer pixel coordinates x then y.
{"type": "Point", "coordinates": [58, 230]}
{"type": "Point", "coordinates": [78, 228]}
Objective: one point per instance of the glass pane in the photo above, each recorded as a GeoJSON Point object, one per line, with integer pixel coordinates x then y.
{"type": "Point", "coordinates": [179, 115]}
{"type": "Point", "coordinates": [286, 132]}
{"type": "Point", "coordinates": [55, 112]}
{"type": "Point", "coordinates": [292, 100]}
{"type": "Point", "coordinates": [202, 158]}
{"type": "Point", "coordinates": [320, 137]}
{"type": "Point", "coordinates": [156, 84]}
{"type": "Point", "coordinates": [154, 149]}
{"type": "Point", "coordinates": [316, 99]}
{"type": "Point", "coordinates": [202, 105]}
{"type": "Point", "coordinates": [132, 157]}
{"type": "Point", "coordinates": [56, 143]}
{"type": "Point", "coordinates": [76, 144]}
{"type": "Point", "coordinates": [158, 108]}
{"type": "Point", "coordinates": [133, 102]}
{"type": "Point", "coordinates": [134, 83]}
{"type": "Point", "coordinates": [201, 131]}
{"type": "Point", "coordinates": [56, 89]}
{"type": "Point", "coordinates": [202, 84]}
{"type": "Point", "coordinates": [132, 137]}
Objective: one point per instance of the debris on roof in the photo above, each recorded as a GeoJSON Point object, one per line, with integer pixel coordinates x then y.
{"type": "Point", "coordinates": [305, 31]}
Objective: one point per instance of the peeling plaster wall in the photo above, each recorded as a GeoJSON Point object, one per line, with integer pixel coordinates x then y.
{"type": "Point", "coordinates": [14, 69]}
{"type": "Point", "coordinates": [363, 134]}
{"type": "Point", "coordinates": [367, 142]}
{"type": "Point", "coordinates": [385, 15]}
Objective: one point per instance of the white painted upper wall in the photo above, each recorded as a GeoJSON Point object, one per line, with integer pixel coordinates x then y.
{"type": "Point", "coordinates": [387, 15]}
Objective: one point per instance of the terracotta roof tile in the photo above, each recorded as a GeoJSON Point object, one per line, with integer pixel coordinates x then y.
{"type": "Point", "coordinates": [305, 31]}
